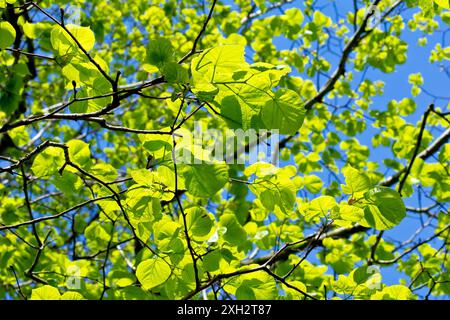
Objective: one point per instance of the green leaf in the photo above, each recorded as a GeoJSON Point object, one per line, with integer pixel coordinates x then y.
{"type": "Point", "coordinates": [443, 3]}
{"type": "Point", "coordinates": [395, 292]}
{"type": "Point", "coordinates": [166, 229]}
{"type": "Point", "coordinates": [63, 43]}
{"type": "Point", "coordinates": [175, 73]}
{"type": "Point", "coordinates": [67, 182]}
{"type": "Point", "coordinates": [159, 184]}
{"type": "Point", "coordinates": [198, 222]}
{"type": "Point", "coordinates": [153, 272]}
{"type": "Point", "coordinates": [72, 295]}
{"type": "Point", "coordinates": [256, 285]}
{"type": "Point", "coordinates": [444, 154]}
{"type": "Point", "coordinates": [19, 136]}
{"type": "Point", "coordinates": [222, 76]}
{"type": "Point", "coordinates": [350, 213]}
{"type": "Point", "coordinates": [244, 93]}
{"type": "Point", "coordinates": [234, 234]}
{"type": "Point", "coordinates": [356, 181]}
{"type": "Point", "coordinates": [48, 162]}
{"type": "Point", "coordinates": [235, 215]}
{"type": "Point", "coordinates": [313, 183]}
{"type": "Point", "coordinates": [427, 7]}
{"type": "Point", "coordinates": [157, 142]}
{"type": "Point", "coordinates": [245, 292]}
{"type": "Point", "coordinates": [344, 285]}
{"type": "Point", "coordinates": [215, 62]}
{"type": "Point", "coordinates": [104, 171]}
{"type": "Point", "coordinates": [211, 262]}
{"type": "Point", "coordinates": [385, 208]}
{"type": "Point", "coordinates": [241, 90]}
{"type": "Point", "coordinates": [79, 152]}
{"type": "Point", "coordinates": [143, 176]}
{"type": "Point", "coordinates": [368, 276]}
{"type": "Point", "coordinates": [205, 180]}
{"type": "Point", "coordinates": [34, 30]}
{"type": "Point", "coordinates": [45, 293]}
{"type": "Point", "coordinates": [134, 293]}
{"type": "Point", "coordinates": [275, 194]}
{"type": "Point", "coordinates": [98, 231]}
{"type": "Point", "coordinates": [284, 112]}
{"type": "Point", "coordinates": [322, 205]}
{"type": "Point", "coordinates": [160, 52]}
{"type": "Point", "coordinates": [10, 95]}
{"type": "Point", "coordinates": [7, 34]}
{"type": "Point", "coordinates": [293, 294]}
{"type": "Point", "coordinates": [121, 278]}
{"type": "Point", "coordinates": [275, 189]}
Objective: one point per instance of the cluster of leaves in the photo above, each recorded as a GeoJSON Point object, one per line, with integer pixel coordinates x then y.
{"type": "Point", "coordinates": [97, 204]}
{"type": "Point", "coordinates": [429, 6]}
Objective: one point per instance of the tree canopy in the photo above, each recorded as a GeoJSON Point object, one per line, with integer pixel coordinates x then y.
{"type": "Point", "coordinates": [99, 99]}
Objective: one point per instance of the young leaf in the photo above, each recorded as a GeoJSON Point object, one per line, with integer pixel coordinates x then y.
{"type": "Point", "coordinates": [45, 292]}
{"type": "Point", "coordinates": [284, 112]}
{"type": "Point", "coordinates": [443, 3]}
{"type": "Point", "coordinates": [160, 52]}
{"type": "Point", "coordinates": [48, 162]}
{"type": "Point", "coordinates": [198, 221]}
{"type": "Point", "coordinates": [153, 272]}
{"type": "Point", "coordinates": [385, 208]}
{"type": "Point", "coordinates": [205, 180]}
{"type": "Point", "coordinates": [234, 234]}
{"type": "Point", "coordinates": [395, 292]}
{"type": "Point", "coordinates": [63, 43]}
{"type": "Point", "coordinates": [7, 34]}
{"type": "Point", "coordinates": [356, 181]}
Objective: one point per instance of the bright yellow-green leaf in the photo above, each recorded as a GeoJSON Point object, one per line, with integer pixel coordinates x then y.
{"type": "Point", "coordinates": [313, 183]}
{"type": "Point", "coordinates": [385, 208]}
{"type": "Point", "coordinates": [153, 272]}
{"type": "Point", "coordinates": [64, 44]}
{"type": "Point", "coordinates": [198, 221]}
{"type": "Point", "coordinates": [45, 292]}
{"type": "Point", "coordinates": [356, 181]}
{"type": "Point", "coordinates": [284, 112]}
{"type": "Point", "coordinates": [322, 205]}
{"type": "Point", "coordinates": [7, 34]}
{"type": "Point", "coordinates": [205, 180]}
{"type": "Point", "coordinates": [395, 292]}
{"type": "Point", "coordinates": [443, 3]}
{"type": "Point", "coordinates": [79, 152]}
{"type": "Point", "coordinates": [72, 295]}
{"type": "Point", "coordinates": [48, 162]}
